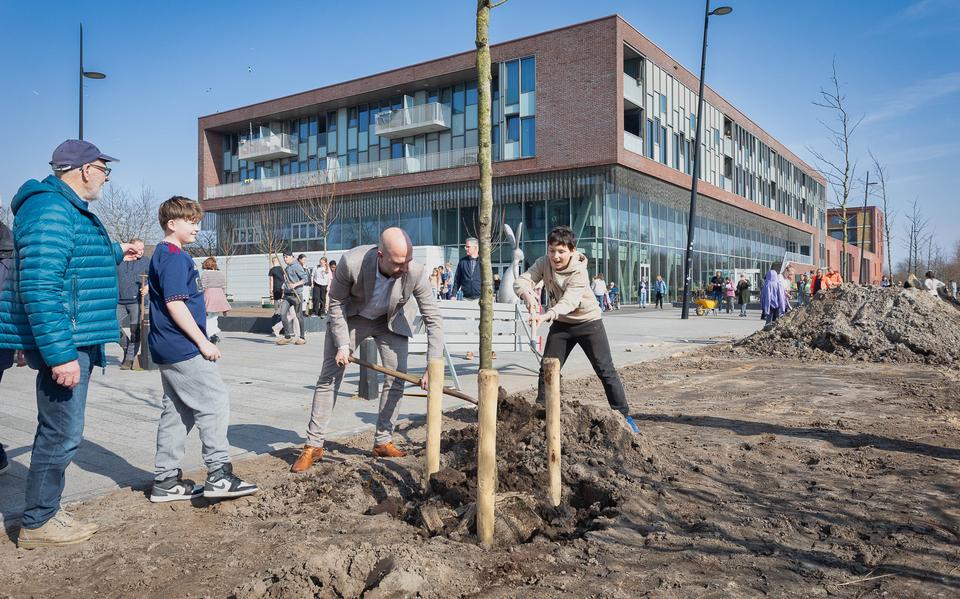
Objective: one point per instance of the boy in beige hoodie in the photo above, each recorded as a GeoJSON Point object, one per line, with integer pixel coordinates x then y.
{"type": "Point", "coordinates": [573, 312]}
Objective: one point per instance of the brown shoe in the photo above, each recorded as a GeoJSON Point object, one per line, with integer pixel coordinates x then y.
{"type": "Point", "coordinates": [58, 531]}
{"type": "Point", "coordinates": [388, 450]}
{"type": "Point", "coordinates": [300, 341]}
{"type": "Point", "coordinates": [308, 457]}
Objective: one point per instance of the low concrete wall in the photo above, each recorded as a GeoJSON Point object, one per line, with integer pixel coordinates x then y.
{"type": "Point", "coordinates": [247, 281]}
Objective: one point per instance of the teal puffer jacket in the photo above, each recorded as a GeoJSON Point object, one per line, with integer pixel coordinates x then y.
{"type": "Point", "coordinates": [62, 291]}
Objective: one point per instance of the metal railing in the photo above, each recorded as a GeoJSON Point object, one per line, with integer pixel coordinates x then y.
{"type": "Point", "coordinates": [432, 115]}
{"type": "Point", "coordinates": [353, 172]}
{"type": "Point", "coordinates": [275, 144]}
{"type": "Point", "coordinates": [797, 257]}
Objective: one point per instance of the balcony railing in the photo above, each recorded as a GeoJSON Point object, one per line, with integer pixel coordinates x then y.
{"type": "Point", "coordinates": [797, 258]}
{"type": "Point", "coordinates": [354, 172]}
{"type": "Point", "coordinates": [270, 147]}
{"type": "Point", "coordinates": [633, 90]}
{"type": "Point", "coordinates": [423, 118]}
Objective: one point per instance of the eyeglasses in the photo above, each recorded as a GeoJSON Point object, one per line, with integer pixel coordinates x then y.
{"type": "Point", "coordinates": [105, 169]}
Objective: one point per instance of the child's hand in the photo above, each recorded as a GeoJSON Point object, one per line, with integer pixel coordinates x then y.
{"type": "Point", "coordinates": [209, 351]}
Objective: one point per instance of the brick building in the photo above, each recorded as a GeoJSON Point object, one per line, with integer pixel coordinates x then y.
{"type": "Point", "coordinates": [866, 245]}
{"type": "Point", "coordinates": [593, 127]}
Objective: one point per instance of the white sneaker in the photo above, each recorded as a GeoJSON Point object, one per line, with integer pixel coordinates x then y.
{"type": "Point", "coordinates": [224, 484]}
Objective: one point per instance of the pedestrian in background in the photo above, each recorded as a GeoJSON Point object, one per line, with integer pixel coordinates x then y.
{"type": "Point", "coordinates": [642, 292]}
{"type": "Point", "coordinates": [214, 285]}
{"type": "Point", "coordinates": [131, 287]}
{"type": "Point", "coordinates": [660, 288]}
{"type": "Point", "coordinates": [321, 281]}
{"type": "Point", "coordinates": [743, 294]}
{"type": "Point", "coordinates": [467, 278]}
{"type": "Point", "coordinates": [728, 293]}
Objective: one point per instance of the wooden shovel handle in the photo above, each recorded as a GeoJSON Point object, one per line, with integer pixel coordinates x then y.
{"type": "Point", "coordinates": [410, 378]}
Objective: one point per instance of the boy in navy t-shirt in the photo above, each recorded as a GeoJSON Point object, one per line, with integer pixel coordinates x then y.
{"type": "Point", "coordinates": [193, 392]}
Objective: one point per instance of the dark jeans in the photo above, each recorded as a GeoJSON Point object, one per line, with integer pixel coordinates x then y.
{"type": "Point", "coordinates": [592, 338]}
{"type": "Point", "coordinates": [659, 303]}
{"type": "Point", "coordinates": [6, 361]}
{"type": "Point", "coordinates": [291, 299]}
{"type": "Point", "coordinates": [319, 299]}
{"type": "Point", "coordinates": [59, 433]}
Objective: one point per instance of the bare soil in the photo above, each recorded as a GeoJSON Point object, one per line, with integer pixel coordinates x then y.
{"type": "Point", "coordinates": [752, 477]}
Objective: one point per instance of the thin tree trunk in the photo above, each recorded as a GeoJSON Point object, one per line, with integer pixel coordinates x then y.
{"type": "Point", "coordinates": [486, 184]}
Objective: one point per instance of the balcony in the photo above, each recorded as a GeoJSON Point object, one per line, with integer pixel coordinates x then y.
{"type": "Point", "coordinates": [633, 90]}
{"type": "Point", "coordinates": [797, 258]}
{"type": "Point", "coordinates": [343, 174]}
{"type": "Point", "coordinates": [270, 147]}
{"type": "Point", "coordinates": [423, 118]}
{"type": "Point", "coordinates": [632, 142]}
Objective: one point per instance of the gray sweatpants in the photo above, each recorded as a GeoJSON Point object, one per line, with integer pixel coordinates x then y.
{"type": "Point", "coordinates": [129, 314]}
{"type": "Point", "coordinates": [393, 354]}
{"type": "Point", "coordinates": [193, 393]}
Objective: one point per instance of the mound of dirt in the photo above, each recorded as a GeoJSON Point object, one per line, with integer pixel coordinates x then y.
{"type": "Point", "coordinates": [601, 460]}
{"type": "Point", "coordinates": [865, 323]}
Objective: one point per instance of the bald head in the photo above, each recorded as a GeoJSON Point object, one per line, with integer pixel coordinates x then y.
{"type": "Point", "coordinates": [395, 253]}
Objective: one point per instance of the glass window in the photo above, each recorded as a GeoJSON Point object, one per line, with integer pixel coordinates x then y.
{"type": "Point", "coordinates": [471, 116]}
{"type": "Point", "coordinates": [663, 145]}
{"type": "Point", "coordinates": [471, 92]}
{"type": "Point", "coordinates": [535, 220]}
{"type": "Point", "coordinates": [495, 142]}
{"type": "Point", "coordinates": [364, 119]}
{"type": "Point", "coordinates": [396, 149]}
{"type": "Point", "coordinates": [458, 99]}
{"type": "Point", "coordinates": [558, 213]}
{"type": "Point", "coordinates": [528, 136]}
{"type": "Point", "coordinates": [513, 129]}
{"type": "Point", "coordinates": [663, 103]}
{"type": "Point", "coordinates": [650, 139]}
{"type": "Point", "coordinates": [313, 126]}
{"type": "Point", "coordinates": [528, 75]}
{"type": "Point", "coordinates": [513, 82]}
{"type": "Point", "coordinates": [472, 138]}
{"type": "Point", "coordinates": [304, 125]}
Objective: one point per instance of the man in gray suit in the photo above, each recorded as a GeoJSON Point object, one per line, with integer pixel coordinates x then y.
{"type": "Point", "coordinates": [370, 297]}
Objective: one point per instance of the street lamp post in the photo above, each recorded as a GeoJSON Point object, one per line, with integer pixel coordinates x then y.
{"type": "Point", "coordinates": [863, 231]}
{"type": "Point", "coordinates": [688, 266]}
{"type": "Point", "coordinates": [88, 75]}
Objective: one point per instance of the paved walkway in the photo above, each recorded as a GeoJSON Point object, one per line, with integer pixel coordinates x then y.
{"type": "Point", "coordinates": [271, 389]}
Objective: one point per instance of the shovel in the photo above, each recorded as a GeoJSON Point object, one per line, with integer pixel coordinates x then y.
{"type": "Point", "coordinates": [410, 378]}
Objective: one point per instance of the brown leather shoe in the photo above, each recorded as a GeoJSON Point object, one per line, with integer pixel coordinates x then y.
{"type": "Point", "coordinates": [388, 450]}
{"type": "Point", "coordinates": [309, 456]}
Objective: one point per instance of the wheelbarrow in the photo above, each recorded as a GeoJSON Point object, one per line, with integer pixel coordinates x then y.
{"type": "Point", "coordinates": [704, 304]}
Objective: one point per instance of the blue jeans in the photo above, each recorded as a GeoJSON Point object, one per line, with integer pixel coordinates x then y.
{"type": "Point", "coordinates": [59, 432]}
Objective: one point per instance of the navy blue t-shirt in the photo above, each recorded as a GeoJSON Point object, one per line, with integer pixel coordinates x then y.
{"type": "Point", "coordinates": [173, 276]}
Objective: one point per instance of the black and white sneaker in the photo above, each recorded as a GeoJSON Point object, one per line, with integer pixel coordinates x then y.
{"type": "Point", "coordinates": [174, 488]}
{"type": "Point", "coordinates": [224, 484]}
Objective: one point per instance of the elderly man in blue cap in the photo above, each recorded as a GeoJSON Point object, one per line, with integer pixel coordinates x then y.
{"type": "Point", "coordinates": [59, 306]}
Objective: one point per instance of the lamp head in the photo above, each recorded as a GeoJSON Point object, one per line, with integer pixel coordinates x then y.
{"type": "Point", "coordinates": [721, 10]}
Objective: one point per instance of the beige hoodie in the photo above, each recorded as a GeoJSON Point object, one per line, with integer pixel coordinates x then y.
{"type": "Point", "coordinates": [568, 290]}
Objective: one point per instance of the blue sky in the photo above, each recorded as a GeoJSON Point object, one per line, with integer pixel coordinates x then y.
{"type": "Point", "coordinates": [169, 63]}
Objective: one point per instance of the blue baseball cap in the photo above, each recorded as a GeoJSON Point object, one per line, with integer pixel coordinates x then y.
{"type": "Point", "coordinates": [74, 153]}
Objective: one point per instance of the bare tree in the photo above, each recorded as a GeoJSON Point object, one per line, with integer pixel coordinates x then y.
{"type": "Point", "coordinates": [127, 216]}
{"type": "Point", "coordinates": [321, 207]}
{"type": "Point", "coordinates": [6, 216]}
{"type": "Point", "coordinates": [888, 213]}
{"type": "Point", "coordinates": [206, 242]}
{"type": "Point", "coordinates": [268, 229]}
{"type": "Point", "coordinates": [916, 237]}
{"type": "Point", "coordinates": [486, 179]}
{"type": "Point", "coordinates": [837, 166]}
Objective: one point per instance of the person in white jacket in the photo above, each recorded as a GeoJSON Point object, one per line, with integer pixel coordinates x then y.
{"type": "Point", "coordinates": [573, 312]}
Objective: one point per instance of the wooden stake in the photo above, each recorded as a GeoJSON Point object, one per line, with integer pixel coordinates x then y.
{"type": "Point", "coordinates": [551, 379]}
{"type": "Point", "coordinates": [487, 456]}
{"type": "Point", "coordinates": [435, 369]}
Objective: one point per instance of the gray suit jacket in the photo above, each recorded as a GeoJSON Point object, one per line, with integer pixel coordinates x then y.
{"type": "Point", "coordinates": [353, 284]}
